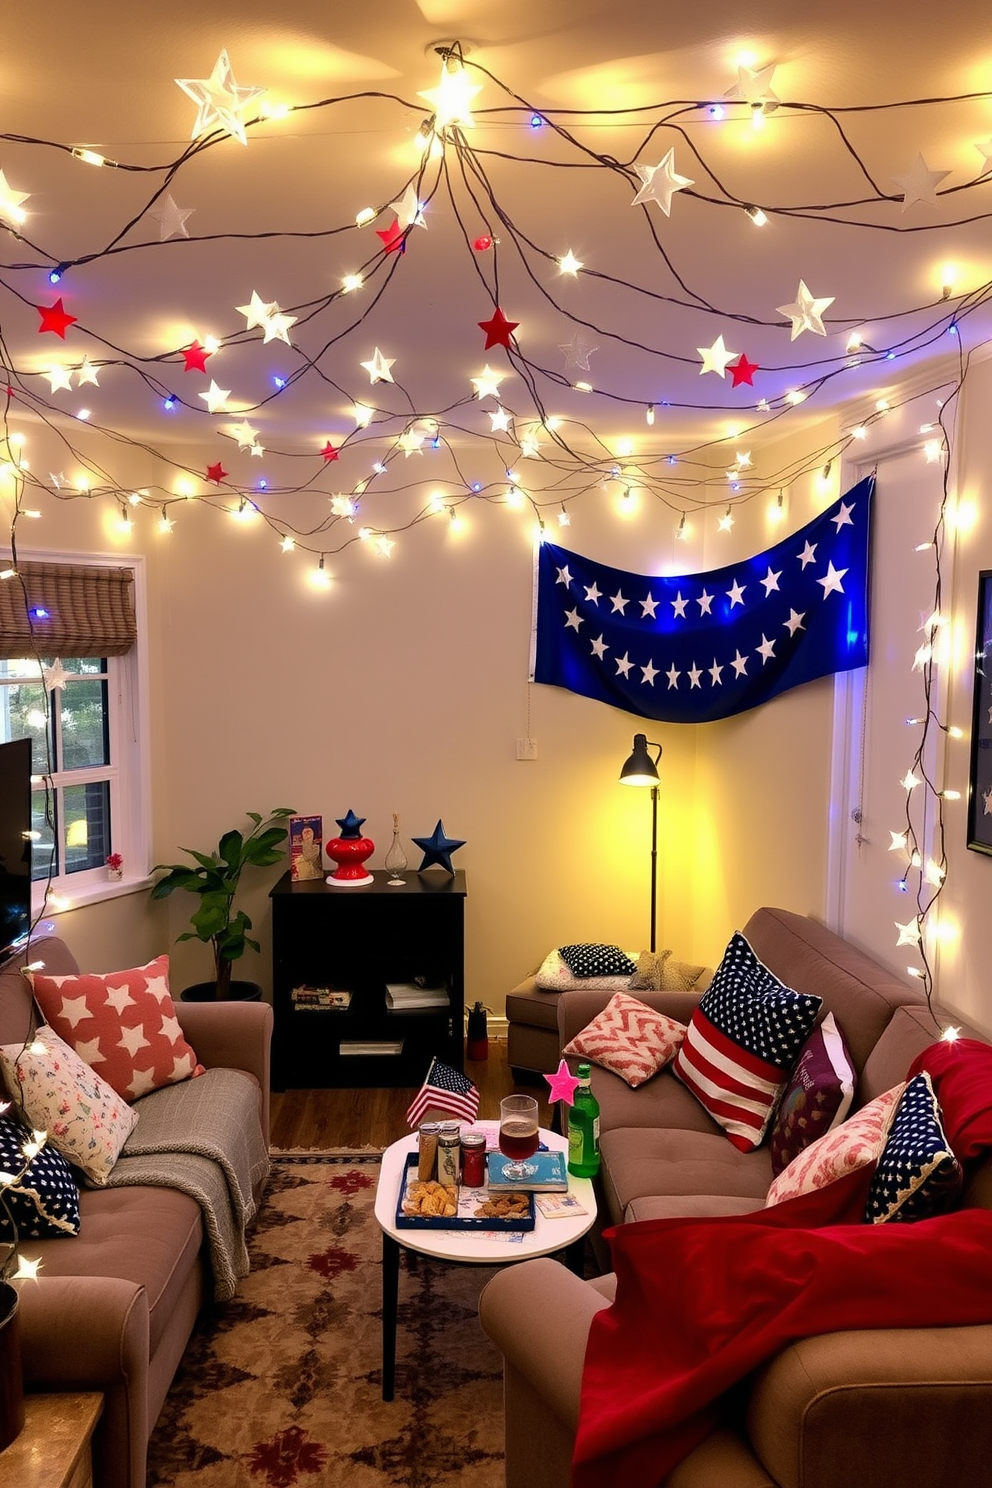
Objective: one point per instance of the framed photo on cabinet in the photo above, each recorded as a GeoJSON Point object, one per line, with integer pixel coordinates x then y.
{"type": "Point", "coordinates": [980, 780]}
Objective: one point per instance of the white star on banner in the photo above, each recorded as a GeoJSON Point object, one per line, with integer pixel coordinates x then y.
{"type": "Point", "coordinates": [794, 622]}
{"type": "Point", "coordinates": [593, 593]}
{"type": "Point", "coordinates": [564, 577]}
{"type": "Point", "coordinates": [808, 554]}
{"type": "Point", "coordinates": [648, 606]}
{"type": "Point", "coordinates": [573, 619]}
{"type": "Point", "coordinates": [766, 650]}
{"type": "Point", "coordinates": [600, 648]}
{"type": "Point", "coordinates": [673, 675]}
{"type": "Point", "coordinates": [843, 517]}
{"type": "Point", "coordinates": [739, 664]}
{"type": "Point", "coordinates": [736, 594]}
{"type": "Point", "coordinates": [649, 672]}
{"type": "Point", "coordinates": [694, 675]}
{"type": "Point", "coordinates": [704, 602]}
{"type": "Point", "coordinates": [678, 605]}
{"type": "Point", "coordinates": [619, 603]}
{"type": "Point", "coordinates": [660, 182]}
{"type": "Point", "coordinates": [716, 672]}
{"type": "Point", "coordinates": [806, 313]}
{"type": "Point", "coordinates": [832, 581]}
{"type": "Point", "coordinates": [624, 664]}
{"type": "Point", "coordinates": [770, 581]}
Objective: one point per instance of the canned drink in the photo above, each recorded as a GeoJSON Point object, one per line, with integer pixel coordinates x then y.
{"type": "Point", "coordinates": [447, 1153]}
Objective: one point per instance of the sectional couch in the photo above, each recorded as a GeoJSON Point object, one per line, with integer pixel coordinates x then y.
{"type": "Point", "coordinates": [884, 1408]}
{"type": "Point", "coordinates": [114, 1306]}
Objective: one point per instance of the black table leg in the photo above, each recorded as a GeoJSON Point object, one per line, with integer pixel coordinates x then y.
{"type": "Point", "coordinates": [575, 1256]}
{"type": "Point", "coordinates": [390, 1295]}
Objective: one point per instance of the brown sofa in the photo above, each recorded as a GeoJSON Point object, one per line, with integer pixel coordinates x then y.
{"type": "Point", "coordinates": [114, 1306]}
{"type": "Point", "coordinates": [880, 1408]}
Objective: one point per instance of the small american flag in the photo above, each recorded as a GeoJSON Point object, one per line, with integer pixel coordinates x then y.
{"type": "Point", "coordinates": [445, 1089]}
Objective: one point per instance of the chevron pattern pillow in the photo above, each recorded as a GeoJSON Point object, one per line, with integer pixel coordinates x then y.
{"type": "Point", "coordinates": [630, 1039]}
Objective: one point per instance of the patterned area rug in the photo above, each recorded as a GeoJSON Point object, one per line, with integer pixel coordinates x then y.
{"type": "Point", "coordinates": [281, 1386]}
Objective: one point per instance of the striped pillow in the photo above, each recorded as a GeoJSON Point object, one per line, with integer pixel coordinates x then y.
{"type": "Point", "coordinates": [629, 1038]}
{"type": "Point", "coordinates": [742, 1042]}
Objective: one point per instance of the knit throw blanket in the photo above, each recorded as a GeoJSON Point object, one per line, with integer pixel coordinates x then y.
{"type": "Point", "coordinates": [202, 1136]}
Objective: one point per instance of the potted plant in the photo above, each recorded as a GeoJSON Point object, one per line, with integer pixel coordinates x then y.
{"type": "Point", "coordinates": [215, 877]}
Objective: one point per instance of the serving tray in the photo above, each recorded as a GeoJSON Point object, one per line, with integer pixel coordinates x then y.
{"type": "Point", "coordinates": [469, 1200]}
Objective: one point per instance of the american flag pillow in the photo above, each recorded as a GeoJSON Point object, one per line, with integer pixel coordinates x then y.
{"type": "Point", "coordinates": [742, 1042]}
{"type": "Point", "coordinates": [917, 1174]}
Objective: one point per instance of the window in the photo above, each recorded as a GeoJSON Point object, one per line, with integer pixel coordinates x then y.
{"type": "Point", "coordinates": [85, 730]}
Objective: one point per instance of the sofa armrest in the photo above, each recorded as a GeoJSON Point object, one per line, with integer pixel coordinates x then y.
{"type": "Point", "coordinates": [515, 1308]}
{"type": "Point", "coordinates": [576, 1009]}
{"type": "Point", "coordinates": [882, 1405]}
{"type": "Point", "coordinates": [232, 1035]}
{"type": "Point", "coordinates": [91, 1333]}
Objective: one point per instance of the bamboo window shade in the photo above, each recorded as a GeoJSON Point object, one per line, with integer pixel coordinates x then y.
{"type": "Point", "coordinates": [90, 611]}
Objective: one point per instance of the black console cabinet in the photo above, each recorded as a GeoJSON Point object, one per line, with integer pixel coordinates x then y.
{"type": "Point", "coordinates": [329, 940]}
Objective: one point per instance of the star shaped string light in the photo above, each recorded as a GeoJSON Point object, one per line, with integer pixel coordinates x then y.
{"type": "Point", "coordinates": [220, 102]}
{"type": "Point", "coordinates": [743, 371]}
{"type": "Point", "coordinates": [919, 184]}
{"type": "Point", "coordinates": [500, 421]}
{"type": "Point", "coordinates": [754, 86]}
{"type": "Point", "coordinates": [276, 326]}
{"type": "Point", "coordinates": [438, 849]}
{"type": "Point", "coordinates": [10, 201]}
{"type": "Point", "coordinates": [715, 357]}
{"type": "Point", "coordinates": [170, 218]}
{"type": "Point", "coordinates": [563, 1084]}
{"type": "Point", "coordinates": [59, 377]}
{"type": "Point", "coordinates": [660, 182]}
{"type": "Point", "coordinates": [393, 237]}
{"type": "Point", "coordinates": [244, 434]}
{"type": "Point", "coordinates": [86, 372]}
{"type": "Point", "coordinates": [195, 358]}
{"type": "Point", "coordinates": [343, 506]}
{"type": "Point", "coordinates": [487, 383]}
{"type": "Point", "coordinates": [409, 211]}
{"type": "Point", "coordinates": [806, 313]}
{"type": "Point", "coordinates": [378, 367]}
{"type": "Point", "coordinates": [330, 452]}
{"type": "Point", "coordinates": [578, 351]}
{"type": "Point", "coordinates": [498, 330]}
{"type": "Point", "coordinates": [215, 397]}
{"type": "Point", "coordinates": [985, 151]}
{"type": "Point", "coordinates": [55, 676]}
{"type": "Point", "coordinates": [257, 311]}
{"type": "Point", "coordinates": [216, 473]}
{"type": "Point", "coordinates": [909, 934]}
{"type": "Point", "coordinates": [55, 318]}
{"type": "Point", "coordinates": [451, 100]}
{"type": "Point", "coordinates": [569, 264]}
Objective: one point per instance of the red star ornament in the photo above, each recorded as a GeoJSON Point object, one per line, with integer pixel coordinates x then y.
{"type": "Point", "coordinates": [216, 473]}
{"type": "Point", "coordinates": [393, 237]}
{"type": "Point", "coordinates": [196, 358]}
{"type": "Point", "coordinates": [54, 318]}
{"type": "Point", "coordinates": [329, 452]}
{"type": "Point", "coordinates": [743, 371]}
{"type": "Point", "coordinates": [498, 330]}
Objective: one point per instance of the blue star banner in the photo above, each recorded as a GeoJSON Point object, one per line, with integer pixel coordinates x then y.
{"type": "Point", "coordinates": [692, 648]}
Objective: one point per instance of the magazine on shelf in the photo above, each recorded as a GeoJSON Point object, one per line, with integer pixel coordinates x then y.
{"type": "Point", "coordinates": [306, 841]}
{"type": "Point", "coordinates": [331, 998]}
{"type": "Point", "coordinates": [403, 995]}
{"type": "Point", "coordinates": [551, 1175]}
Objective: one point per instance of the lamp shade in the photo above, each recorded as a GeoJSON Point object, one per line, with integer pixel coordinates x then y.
{"type": "Point", "coordinates": [640, 768]}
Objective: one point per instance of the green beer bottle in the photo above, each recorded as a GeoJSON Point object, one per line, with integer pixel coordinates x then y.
{"type": "Point", "coordinates": [583, 1129]}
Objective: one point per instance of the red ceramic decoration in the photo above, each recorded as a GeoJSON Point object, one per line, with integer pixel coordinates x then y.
{"type": "Point", "coordinates": [350, 855]}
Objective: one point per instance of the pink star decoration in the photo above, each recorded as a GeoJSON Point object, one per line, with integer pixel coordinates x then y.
{"type": "Point", "coordinates": [563, 1084]}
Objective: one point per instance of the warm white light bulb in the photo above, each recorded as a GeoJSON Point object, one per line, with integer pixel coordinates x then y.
{"type": "Point", "coordinates": [288, 544]}
{"type": "Point", "coordinates": [351, 282]}
{"type": "Point", "coordinates": [362, 414]}
{"type": "Point", "coordinates": [364, 217]}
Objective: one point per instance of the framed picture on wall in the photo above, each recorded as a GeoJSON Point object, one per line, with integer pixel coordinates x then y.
{"type": "Point", "coordinates": [980, 782]}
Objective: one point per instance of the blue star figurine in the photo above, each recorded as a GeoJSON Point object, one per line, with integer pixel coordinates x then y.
{"type": "Point", "coordinates": [438, 849]}
{"type": "Point", "coordinates": [351, 825]}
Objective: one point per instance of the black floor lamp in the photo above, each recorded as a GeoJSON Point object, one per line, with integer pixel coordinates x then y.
{"type": "Point", "coordinates": [641, 769]}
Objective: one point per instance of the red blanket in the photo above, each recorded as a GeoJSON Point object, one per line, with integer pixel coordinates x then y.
{"type": "Point", "coordinates": [701, 1303]}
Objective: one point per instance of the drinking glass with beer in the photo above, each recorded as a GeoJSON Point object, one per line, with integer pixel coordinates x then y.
{"type": "Point", "coordinates": [518, 1134]}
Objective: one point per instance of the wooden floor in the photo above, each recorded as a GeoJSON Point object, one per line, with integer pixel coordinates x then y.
{"type": "Point", "coordinates": [374, 1118]}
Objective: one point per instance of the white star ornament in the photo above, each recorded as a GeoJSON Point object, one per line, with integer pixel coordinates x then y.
{"type": "Point", "coordinates": [257, 311]}
{"type": "Point", "coordinates": [378, 367]}
{"type": "Point", "coordinates": [170, 218]}
{"type": "Point", "coordinates": [660, 182]}
{"type": "Point", "coordinates": [220, 101]}
{"type": "Point", "coordinates": [806, 313]}
{"type": "Point", "coordinates": [715, 357]}
{"type": "Point", "coordinates": [919, 184]}
{"type": "Point", "coordinates": [754, 86]}
{"type": "Point", "coordinates": [409, 212]}
{"type": "Point", "coordinates": [10, 201]}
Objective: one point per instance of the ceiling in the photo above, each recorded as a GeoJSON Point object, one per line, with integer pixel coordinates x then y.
{"type": "Point", "coordinates": [574, 95]}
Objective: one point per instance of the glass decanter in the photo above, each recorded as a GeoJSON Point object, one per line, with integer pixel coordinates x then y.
{"type": "Point", "coordinates": [396, 859]}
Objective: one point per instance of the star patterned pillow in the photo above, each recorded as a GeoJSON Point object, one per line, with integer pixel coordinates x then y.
{"type": "Point", "coordinates": [122, 1023]}
{"type": "Point", "coordinates": [917, 1175]}
{"type": "Point", "coordinates": [591, 960]}
{"type": "Point", "coordinates": [742, 1042]}
{"type": "Point", "coordinates": [46, 1201]}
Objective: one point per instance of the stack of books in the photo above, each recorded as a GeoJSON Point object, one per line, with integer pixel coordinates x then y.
{"type": "Point", "coordinates": [402, 996]}
{"type": "Point", "coordinates": [306, 999]}
{"type": "Point", "coordinates": [550, 1174]}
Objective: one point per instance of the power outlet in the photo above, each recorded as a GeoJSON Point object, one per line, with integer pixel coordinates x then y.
{"type": "Point", "coordinates": [526, 749]}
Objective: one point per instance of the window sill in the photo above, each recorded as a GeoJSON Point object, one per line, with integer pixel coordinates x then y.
{"type": "Point", "coordinates": [90, 893]}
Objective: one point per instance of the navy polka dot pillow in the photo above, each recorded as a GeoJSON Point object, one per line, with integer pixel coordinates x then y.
{"type": "Point", "coordinates": [46, 1201]}
{"type": "Point", "coordinates": [589, 960]}
{"type": "Point", "coordinates": [917, 1175]}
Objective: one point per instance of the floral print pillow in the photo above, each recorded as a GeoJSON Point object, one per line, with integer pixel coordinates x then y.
{"type": "Point", "coordinates": [58, 1093]}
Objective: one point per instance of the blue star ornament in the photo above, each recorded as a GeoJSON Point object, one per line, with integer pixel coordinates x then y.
{"type": "Point", "coordinates": [350, 824]}
{"type": "Point", "coordinates": [438, 849]}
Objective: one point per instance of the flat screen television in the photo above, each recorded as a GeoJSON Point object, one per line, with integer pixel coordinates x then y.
{"type": "Point", "coordinates": [15, 846]}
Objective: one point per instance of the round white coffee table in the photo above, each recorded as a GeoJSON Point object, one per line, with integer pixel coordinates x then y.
{"type": "Point", "coordinates": [466, 1247]}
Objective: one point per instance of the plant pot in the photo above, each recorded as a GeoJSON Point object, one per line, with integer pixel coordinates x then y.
{"type": "Point", "coordinates": [207, 992]}
{"type": "Point", "coordinates": [11, 1376]}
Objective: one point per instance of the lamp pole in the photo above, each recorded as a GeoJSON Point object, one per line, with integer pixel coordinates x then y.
{"type": "Point", "coordinates": [654, 866]}
{"type": "Point", "coordinates": [641, 769]}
